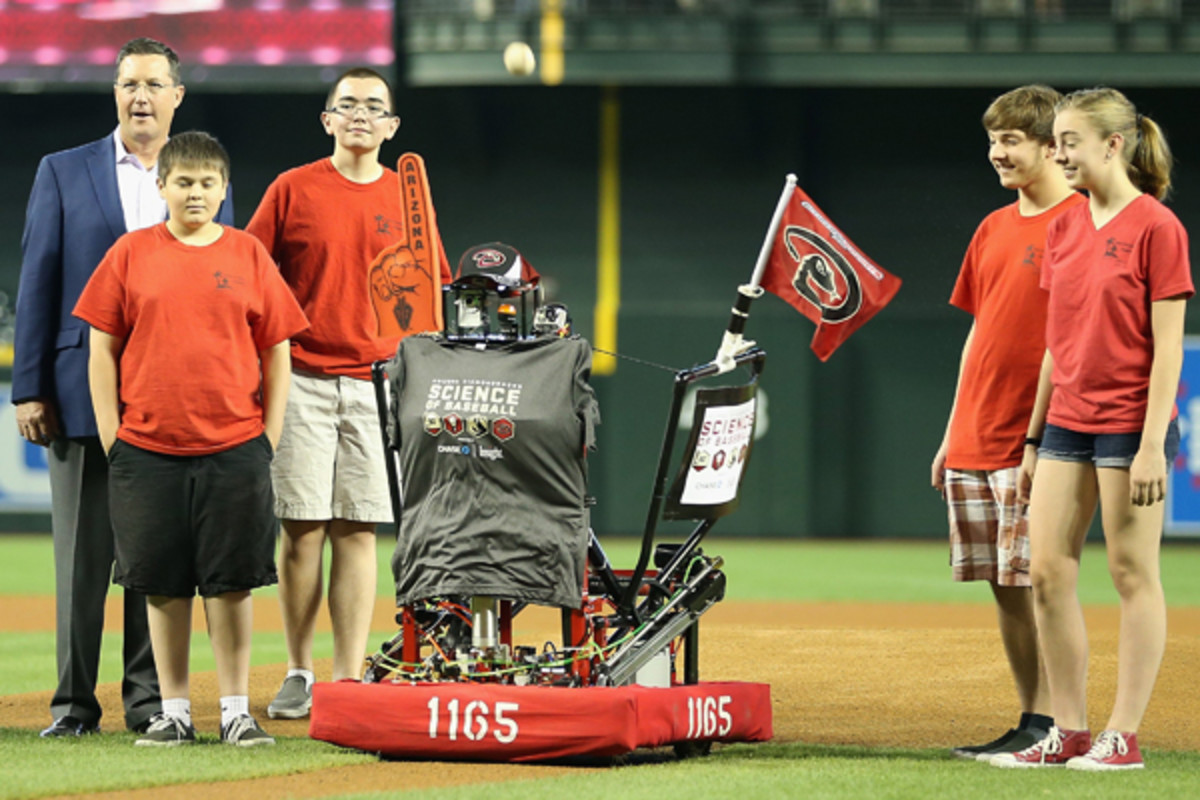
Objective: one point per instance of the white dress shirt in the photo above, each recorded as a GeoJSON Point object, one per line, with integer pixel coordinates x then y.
{"type": "Point", "coordinates": [140, 201]}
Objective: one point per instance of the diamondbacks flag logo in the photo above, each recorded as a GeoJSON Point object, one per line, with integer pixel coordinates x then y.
{"type": "Point", "coordinates": [820, 273]}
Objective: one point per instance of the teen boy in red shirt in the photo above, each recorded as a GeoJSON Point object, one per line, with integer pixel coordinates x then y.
{"type": "Point", "coordinates": [977, 463]}
{"type": "Point", "coordinates": [366, 269]}
{"type": "Point", "coordinates": [189, 374]}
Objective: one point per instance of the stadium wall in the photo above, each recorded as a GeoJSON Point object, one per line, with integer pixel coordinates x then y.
{"type": "Point", "coordinates": [902, 171]}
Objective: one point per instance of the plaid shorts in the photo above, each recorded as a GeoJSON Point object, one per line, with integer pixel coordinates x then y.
{"type": "Point", "coordinates": [989, 528]}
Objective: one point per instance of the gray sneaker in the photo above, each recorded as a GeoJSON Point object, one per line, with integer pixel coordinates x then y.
{"type": "Point", "coordinates": [244, 731]}
{"type": "Point", "coordinates": [293, 701]}
{"type": "Point", "coordinates": [167, 731]}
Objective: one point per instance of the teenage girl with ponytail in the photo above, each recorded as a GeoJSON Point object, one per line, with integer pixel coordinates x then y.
{"type": "Point", "coordinates": [1103, 429]}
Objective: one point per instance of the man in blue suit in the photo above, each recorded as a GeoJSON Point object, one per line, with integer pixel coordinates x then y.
{"type": "Point", "coordinates": [83, 199]}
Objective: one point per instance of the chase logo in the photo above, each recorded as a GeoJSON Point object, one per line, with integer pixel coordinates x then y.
{"type": "Point", "coordinates": [462, 449]}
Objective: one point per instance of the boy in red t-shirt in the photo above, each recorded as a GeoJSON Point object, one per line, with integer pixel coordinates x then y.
{"type": "Point", "coordinates": [189, 373]}
{"type": "Point", "coordinates": [367, 270]}
{"type": "Point", "coordinates": [976, 465]}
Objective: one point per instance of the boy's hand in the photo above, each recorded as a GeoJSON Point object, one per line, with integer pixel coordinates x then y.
{"type": "Point", "coordinates": [1148, 477]}
{"type": "Point", "coordinates": [1025, 474]}
{"type": "Point", "coordinates": [937, 472]}
{"type": "Point", "coordinates": [37, 421]}
{"type": "Point", "coordinates": [107, 439]}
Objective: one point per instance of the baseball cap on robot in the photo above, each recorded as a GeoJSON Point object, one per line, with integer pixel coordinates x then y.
{"type": "Point", "coordinates": [494, 295]}
{"type": "Point", "coordinates": [498, 261]}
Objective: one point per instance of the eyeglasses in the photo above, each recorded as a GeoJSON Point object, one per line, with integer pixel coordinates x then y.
{"type": "Point", "coordinates": [152, 87]}
{"type": "Point", "coordinates": [346, 108]}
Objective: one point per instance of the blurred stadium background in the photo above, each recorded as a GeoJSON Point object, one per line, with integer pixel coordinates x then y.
{"type": "Point", "coordinates": [693, 110]}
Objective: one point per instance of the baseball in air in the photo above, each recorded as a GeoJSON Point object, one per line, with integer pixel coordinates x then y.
{"type": "Point", "coordinates": [518, 59]}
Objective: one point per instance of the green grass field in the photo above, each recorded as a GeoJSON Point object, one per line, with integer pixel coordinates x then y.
{"type": "Point", "coordinates": [841, 570]}
{"type": "Point", "coordinates": [754, 772]}
{"type": "Point", "coordinates": [759, 571]}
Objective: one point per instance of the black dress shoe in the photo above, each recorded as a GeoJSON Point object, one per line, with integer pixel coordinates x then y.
{"type": "Point", "coordinates": [70, 726]}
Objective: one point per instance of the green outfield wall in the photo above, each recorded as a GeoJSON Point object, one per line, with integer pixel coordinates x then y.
{"type": "Point", "coordinates": [901, 171]}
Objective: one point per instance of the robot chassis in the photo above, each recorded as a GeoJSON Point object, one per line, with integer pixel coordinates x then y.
{"type": "Point", "coordinates": [632, 626]}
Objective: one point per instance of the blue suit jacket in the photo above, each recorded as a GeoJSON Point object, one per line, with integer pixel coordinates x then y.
{"type": "Point", "coordinates": [74, 216]}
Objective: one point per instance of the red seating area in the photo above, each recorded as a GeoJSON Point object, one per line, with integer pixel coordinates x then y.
{"type": "Point", "coordinates": [87, 32]}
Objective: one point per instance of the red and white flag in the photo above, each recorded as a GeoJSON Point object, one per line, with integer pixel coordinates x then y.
{"type": "Point", "coordinates": [815, 268]}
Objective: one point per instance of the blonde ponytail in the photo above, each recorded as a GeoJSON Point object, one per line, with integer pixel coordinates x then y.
{"type": "Point", "coordinates": [1146, 155]}
{"type": "Point", "coordinates": [1150, 159]}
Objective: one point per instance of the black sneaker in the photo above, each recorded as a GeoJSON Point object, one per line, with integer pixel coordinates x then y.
{"type": "Point", "coordinates": [244, 731]}
{"type": "Point", "coordinates": [1023, 738]}
{"type": "Point", "coordinates": [167, 731]}
{"type": "Point", "coordinates": [972, 751]}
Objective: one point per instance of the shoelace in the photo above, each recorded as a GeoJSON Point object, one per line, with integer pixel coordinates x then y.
{"type": "Point", "coordinates": [167, 723]}
{"type": "Point", "coordinates": [1110, 742]}
{"type": "Point", "coordinates": [238, 726]}
{"type": "Point", "coordinates": [1052, 744]}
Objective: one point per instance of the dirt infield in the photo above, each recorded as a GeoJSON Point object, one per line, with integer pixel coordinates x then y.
{"type": "Point", "coordinates": [874, 675]}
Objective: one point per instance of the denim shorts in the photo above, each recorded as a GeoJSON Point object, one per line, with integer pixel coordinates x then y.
{"type": "Point", "coordinates": [1104, 449]}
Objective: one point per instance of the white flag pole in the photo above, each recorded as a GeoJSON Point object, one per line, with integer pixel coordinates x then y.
{"type": "Point", "coordinates": [789, 187]}
{"type": "Point", "coordinates": [732, 343]}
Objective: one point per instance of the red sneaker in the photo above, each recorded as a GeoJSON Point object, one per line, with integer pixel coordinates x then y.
{"type": "Point", "coordinates": [1056, 749]}
{"type": "Point", "coordinates": [1112, 750]}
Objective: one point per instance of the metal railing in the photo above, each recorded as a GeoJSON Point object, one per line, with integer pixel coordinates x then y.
{"type": "Point", "coordinates": [1118, 10]}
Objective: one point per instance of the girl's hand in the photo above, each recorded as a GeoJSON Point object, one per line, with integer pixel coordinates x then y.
{"type": "Point", "coordinates": [1148, 477]}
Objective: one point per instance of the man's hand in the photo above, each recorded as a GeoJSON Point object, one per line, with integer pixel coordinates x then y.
{"type": "Point", "coordinates": [37, 421]}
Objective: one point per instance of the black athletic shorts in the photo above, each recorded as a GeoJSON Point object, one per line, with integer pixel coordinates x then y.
{"type": "Point", "coordinates": [193, 523]}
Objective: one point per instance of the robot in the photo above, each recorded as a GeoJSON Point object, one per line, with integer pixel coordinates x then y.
{"type": "Point", "coordinates": [487, 426]}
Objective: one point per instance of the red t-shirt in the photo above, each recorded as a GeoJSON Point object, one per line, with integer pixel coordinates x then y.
{"type": "Point", "coordinates": [194, 320]}
{"type": "Point", "coordinates": [998, 284]}
{"type": "Point", "coordinates": [1101, 285]}
{"type": "Point", "coordinates": [325, 232]}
